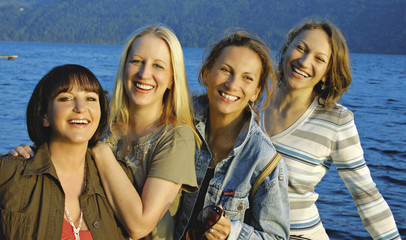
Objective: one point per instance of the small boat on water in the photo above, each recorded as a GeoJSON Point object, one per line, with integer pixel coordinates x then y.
{"type": "Point", "coordinates": [9, 57]}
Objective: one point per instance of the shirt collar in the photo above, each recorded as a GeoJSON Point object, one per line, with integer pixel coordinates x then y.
{"type": "Point", "coordinates": [41, 164]}
{"type": "Point", "coordinates": [201, 108]}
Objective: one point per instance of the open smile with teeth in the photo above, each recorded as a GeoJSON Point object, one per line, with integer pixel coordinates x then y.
{"type": "Point", "coordinates": [82, 121]}
{"type": "Point", "coordinates": [301, 73]}
{"type": "Point", "coordinates": [143, 86]}
{"type": "Point", "coordinates": [228, 97]}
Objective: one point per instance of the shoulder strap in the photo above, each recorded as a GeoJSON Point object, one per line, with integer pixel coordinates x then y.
{"type": "Point", "coordinates": [265, 172]}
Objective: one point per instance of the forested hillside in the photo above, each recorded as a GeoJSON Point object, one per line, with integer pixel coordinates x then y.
{"type": "Point", "coordinates": [373, 26]}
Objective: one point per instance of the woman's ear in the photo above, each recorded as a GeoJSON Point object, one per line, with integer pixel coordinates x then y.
{"type": "Point", "coordinates": [171, 83]}
{"type": "Point", "coordinates": [254, 98]}
{"type": "Point", "coordinates": [45, 121]}
{"type": "Point", "coordinates": [204, 78]}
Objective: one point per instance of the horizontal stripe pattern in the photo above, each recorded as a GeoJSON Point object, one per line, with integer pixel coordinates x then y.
{"type": "Point", "coordinates": [318, 139]}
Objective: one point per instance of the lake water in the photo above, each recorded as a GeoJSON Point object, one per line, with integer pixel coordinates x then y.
{"type": "Point", "coordinates": [377, 98]}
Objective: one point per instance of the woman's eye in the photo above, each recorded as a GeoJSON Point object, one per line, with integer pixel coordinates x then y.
{"type": "Point", "coordinates": [136, 61]}
{"type": "Point", "coordinates": [64, 99]}
{"type": "Point", "coordinates": [223, 69]}
{"type": "Point", "coordinates": [158, 66]}
{"type": "Point", "coordinates": [249, 78]}
{"type": "Point", "coordinates": [319, 59]}
{"type": "Point", "coordinates": [92, 96]}
{"type": "Point", "coordinates": [300, 48]}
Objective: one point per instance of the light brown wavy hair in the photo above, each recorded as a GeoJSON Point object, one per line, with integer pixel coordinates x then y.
{"type": "Point", "coordinates": [244, 39]}
{"type": "Point", "coordinates": [338, 75]}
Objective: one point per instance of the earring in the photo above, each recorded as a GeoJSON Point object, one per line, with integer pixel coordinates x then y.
{"type": "Point", "coordinates": [323, 86]}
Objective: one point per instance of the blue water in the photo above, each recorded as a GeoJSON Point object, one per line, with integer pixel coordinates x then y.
{"type": "Point", "coordinates": [376, 98]}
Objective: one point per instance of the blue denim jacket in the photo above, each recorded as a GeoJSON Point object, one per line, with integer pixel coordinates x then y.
{"type": "Point", "coordinates": [233, 179]}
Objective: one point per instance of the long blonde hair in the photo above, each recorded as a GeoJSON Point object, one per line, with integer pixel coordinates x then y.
{"type": "Point", "coordinates": [177, 107]}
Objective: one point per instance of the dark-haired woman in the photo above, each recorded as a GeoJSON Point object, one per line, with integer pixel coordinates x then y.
{"type": "Point", "coordinates": [151, 129]}
{"type": "Point", "coordinates": [312, 131]}
{"type": "Point", "coordinates": [58, 194]}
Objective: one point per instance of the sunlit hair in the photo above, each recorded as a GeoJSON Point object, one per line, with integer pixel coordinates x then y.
{"type": "Point", "coordinates": [254, 43]}
{"type": "Point", "coordinates": [62, 79]}
{"type": "Point", "coordinates": [338, 75]}
{"type": "Point", "coordinates": [177, 106]}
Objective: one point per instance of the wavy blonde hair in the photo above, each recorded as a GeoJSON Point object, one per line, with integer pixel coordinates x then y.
{"type": "Point", "coordinates": [177, 107]}
{"type": "Point", "coordinates": [338, 75]}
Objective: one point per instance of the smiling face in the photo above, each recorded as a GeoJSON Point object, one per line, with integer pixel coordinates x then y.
{"type": "Point", "coordinates": [148, 72]}
{"type": "Point", "coordinates": [73, 116]}
{"type": "Point", "coordinates": [233, 81]}
{"type": "Point", "coordinates": [306, 60]}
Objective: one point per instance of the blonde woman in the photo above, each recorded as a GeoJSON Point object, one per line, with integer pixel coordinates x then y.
{"type": "Point", "coordinates": [151, 129]}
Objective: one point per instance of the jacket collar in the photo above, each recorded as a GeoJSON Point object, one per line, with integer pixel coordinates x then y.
{"type": "Point", "coordinates": [41, 164]}
{"type": "Point", "coordinates": [201, 108]}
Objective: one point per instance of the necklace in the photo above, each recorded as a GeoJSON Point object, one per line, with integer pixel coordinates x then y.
{"type": "Point", "coordinates": [77, 229]}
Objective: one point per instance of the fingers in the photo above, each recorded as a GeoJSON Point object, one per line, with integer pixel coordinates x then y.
{"type": "Point", "coordinates": [220, 230]}
{"type": "Point", "coordinates": [221, 207]}
{"type": "Point", "coordinates": [23, 150]}
{"type": "Point", "coordinates": [12, 152]}
{"type": "Point", "coordinates": [213, 233]}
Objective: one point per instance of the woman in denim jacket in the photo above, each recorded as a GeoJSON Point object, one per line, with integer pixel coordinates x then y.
{"type": "Point", "coordinates": [235, 150]}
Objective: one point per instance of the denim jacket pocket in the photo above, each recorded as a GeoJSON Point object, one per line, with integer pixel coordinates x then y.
{"type": "Point", "coordinates": [15, 225]}
{"type": "Point", "coordinates": [235, 206]}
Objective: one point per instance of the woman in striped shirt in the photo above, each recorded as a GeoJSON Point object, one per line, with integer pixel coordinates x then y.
{"type": "Point", "coordinates": [312, 131]}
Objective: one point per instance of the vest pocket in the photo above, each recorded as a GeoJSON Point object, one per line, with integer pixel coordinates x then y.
{"type": "Point", "coordinates": [235, 206]}
{"type": "Point", "coordinates": [14, 225]}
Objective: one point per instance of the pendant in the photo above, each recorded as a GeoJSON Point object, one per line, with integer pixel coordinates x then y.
{"type": "Point", "coordinates": [75, 229]}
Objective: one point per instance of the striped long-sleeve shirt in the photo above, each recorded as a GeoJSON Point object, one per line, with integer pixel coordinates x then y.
{"type": "Point", "coordinates": [309, 147]}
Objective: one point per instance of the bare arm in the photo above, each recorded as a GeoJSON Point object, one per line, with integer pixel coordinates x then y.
{"type": "Point", "coordinates": [139, 215]}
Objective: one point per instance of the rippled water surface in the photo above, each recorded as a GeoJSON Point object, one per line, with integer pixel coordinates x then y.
{"type": "Point", "coordinates": [377, 98]}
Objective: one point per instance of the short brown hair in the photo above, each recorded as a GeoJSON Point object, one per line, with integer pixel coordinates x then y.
{"type": "Point", "coordinates": [338, 76]}
{"type": "Point", "coordinates": [62, 79]}
{"type": "Point", "coordinates": [254, 43]}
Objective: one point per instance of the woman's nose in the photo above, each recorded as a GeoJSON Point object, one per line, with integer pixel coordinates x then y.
{"type": "Point", "coordinates": [305, 60]}
{"type": "Point", "coordinates": [80, 105]}
{"type": "Point", "coordinates": [231, 82]}
{"type": "Point", "coordinates": [145, 71]}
